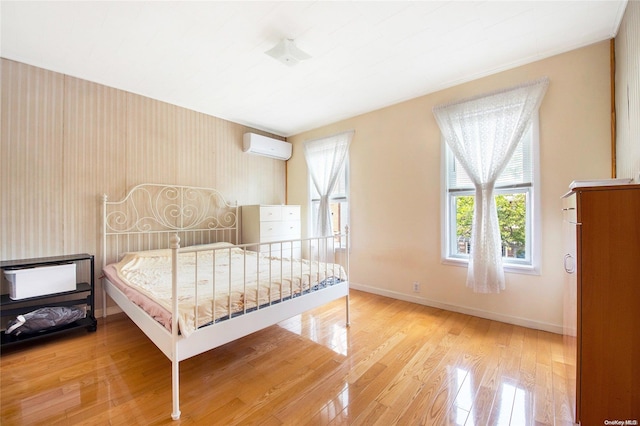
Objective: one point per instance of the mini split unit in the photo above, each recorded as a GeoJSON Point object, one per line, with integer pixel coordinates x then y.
{"type": "Point", "coordinates": [265, 146]}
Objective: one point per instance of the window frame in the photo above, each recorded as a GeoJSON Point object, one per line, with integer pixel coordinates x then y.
{"type": "Point", "coordinates": [340, 198]}
{"type": "Point", "coordinates": [448, 213]}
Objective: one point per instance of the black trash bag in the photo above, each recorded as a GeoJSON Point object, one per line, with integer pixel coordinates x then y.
{"type": "Point", "coordinates": [44, 318]}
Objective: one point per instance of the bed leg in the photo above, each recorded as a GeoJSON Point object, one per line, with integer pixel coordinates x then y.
{"type": "Point", "coordinates": [175, 388]}
{"type": "Point", "coordinates": [347, 302]}
{"type": "Point", "coordinates": [104, 301]}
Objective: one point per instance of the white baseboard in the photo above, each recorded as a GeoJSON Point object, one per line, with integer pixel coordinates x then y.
{"type": "Point", "coordinates": [524, 322]}
{"type": "Point", "coordinates": [111, 310]}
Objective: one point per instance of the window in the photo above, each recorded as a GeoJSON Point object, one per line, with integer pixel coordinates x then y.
{"type": "Point", "coordinates": [327, 161]}
{"type": "Point", "coordinates": [515, 196]}
{"type": "Point", "coordinates": [338, 202]}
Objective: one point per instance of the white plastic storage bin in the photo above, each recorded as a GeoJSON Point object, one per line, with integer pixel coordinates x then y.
{"type": "Point", "coordinates": [41, 280]}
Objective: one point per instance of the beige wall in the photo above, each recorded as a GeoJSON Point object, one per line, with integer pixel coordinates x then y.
{"type": "Point", "coordinates": [64, 142]}
{"type": "Point", "coordinates": [628, 94]}
{"type": "Point", "coordinates": [396, 188]}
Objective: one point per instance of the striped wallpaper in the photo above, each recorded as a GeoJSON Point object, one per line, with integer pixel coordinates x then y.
{"type": "Point", "coordinates": [66, 141]}
{"type": "Point", "coordinates": [628, 94]}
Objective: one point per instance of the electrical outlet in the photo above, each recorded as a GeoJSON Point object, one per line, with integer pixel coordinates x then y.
{"type": "Point", "coordinates": [416, 287]}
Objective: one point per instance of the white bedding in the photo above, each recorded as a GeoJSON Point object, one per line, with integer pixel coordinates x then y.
{"type": "Point", "coordinates": [235, 282]}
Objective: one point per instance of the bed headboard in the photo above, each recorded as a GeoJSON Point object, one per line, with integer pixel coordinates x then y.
{"type": "Point", "coordinates": [147, 217]}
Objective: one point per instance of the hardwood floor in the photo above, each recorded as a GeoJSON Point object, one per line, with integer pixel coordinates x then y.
{"type": "Point", "coordinates": [398, 363]}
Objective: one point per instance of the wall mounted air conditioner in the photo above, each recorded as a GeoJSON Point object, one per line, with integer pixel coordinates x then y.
{"type": "Point", "coordinates": [268, 147]}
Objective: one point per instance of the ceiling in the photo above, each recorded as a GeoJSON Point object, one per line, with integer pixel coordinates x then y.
{"type": "Point", "coordinates": [208, 56]}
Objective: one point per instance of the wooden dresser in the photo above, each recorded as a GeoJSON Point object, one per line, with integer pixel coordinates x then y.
{"type": "Point", "coordinates": [270, 223]}
{"type": "Point", "coordinates": [602, 301]}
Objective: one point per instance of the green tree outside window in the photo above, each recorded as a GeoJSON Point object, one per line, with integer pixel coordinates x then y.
{"type": "Point", "coordinates": [511, 218]}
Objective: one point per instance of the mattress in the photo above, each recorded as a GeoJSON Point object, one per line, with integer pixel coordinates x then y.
{"type": "Point", "coordinates": [216, 282]}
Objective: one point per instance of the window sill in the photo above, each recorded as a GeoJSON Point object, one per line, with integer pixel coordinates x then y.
{"type": "Point", "coordinates": [508, 267]}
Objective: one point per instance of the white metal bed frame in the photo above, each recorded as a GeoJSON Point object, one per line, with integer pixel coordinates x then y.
{"type": "Point", "coordinates": [154, 216]}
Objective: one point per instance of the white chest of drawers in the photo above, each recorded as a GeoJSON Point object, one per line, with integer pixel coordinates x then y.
{"type": "Point", "coordinates": [266, 224]}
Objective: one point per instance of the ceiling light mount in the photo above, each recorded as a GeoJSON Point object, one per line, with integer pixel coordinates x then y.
{"type": "Point", "coordinates": [287, 52]}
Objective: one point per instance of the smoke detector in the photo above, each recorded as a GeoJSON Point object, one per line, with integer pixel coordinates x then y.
{"type": "Point", "coordinates": [287, 52]}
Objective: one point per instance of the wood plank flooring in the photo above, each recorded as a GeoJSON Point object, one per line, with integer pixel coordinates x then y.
{"type": "Point", "coordinates": [399, 363]}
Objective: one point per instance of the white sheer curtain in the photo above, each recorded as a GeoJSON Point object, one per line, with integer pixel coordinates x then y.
{"type": "Point", "coordinates": [325, 159]}
{"type": "Point", "coordinates": [483, 132]}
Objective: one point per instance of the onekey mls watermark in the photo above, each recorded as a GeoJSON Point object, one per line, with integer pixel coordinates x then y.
{"type": "Point", "coordinates": [621, 422]}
